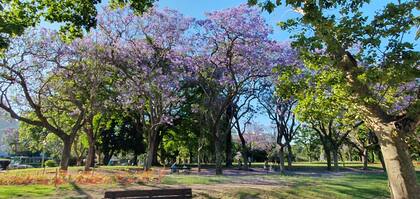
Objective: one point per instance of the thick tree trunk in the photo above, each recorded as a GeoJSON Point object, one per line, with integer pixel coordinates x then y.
{"type": "Point", "coordinates": [65, 156]}
{"type": "Point", "coordinates": [245, 157]}
{"type": "Point", "coordinates": [289, 156]}
{"type": "Point", "coordinates": [365, 159]}
{"type": "Point", "coordinates": [218, 158]}
{"type": "Point", "coordinates": [199, 160]}
{"type": "Point", "coordinates": [217, 150]}
{"type": "Point", "coordinates": [229, 157]}
{"type": "Point", "coordinates": [281, 160]}
{"type": "Point", "coordinates": [155, 161]}
{"type": "Point", "coordinates": [151, 147]}
{"type": "Point", "coordinates": [335, 159]}
{"type": "Point", "coordinates": [245, 153]}
{"type": "Point", "coordinates": [328, 156]}
{"type": "Point", "coordinates": [373, 158]}
{"type": "Point", "coordinates": [91, 151]}
{"type": "Point", "coordinates": [90, 158]}
{"type": "Point", "coordinates": [399, 167]}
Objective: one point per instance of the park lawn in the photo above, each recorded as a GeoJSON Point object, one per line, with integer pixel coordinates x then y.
{"type": "Point", "coordinates": [347, 186]}
{"type": "Point", "coordinates": [30, 191]}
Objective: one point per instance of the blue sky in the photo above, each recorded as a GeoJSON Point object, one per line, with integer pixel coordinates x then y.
{"type": "Point", "coordinates": [197, 9]}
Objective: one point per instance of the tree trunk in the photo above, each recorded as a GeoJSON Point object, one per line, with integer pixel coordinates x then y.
{"type": "Point", "coordinates": [281, 160]}
{"type": "Point", "coordinates": [373, 158]}
{"type": "Point", "coordinates": [365, 159]}
{"type": "Point", "coordinates": [65, 156]}
{"type": "Point", "coordinates": [229, 157]}
{"type": "Point", "coordinates": [335, 159]}
{"type": "Point", "coordinates": [150, 149]}
{"type": "Point", "coordinates": [245, 157]}
{"type": "Point", "coordinates": [217, 150]}
{"type": "Point", "coordinates": [155, 161]}
{"type": "Point", "coordinates": [289, 156]}
{"type": "Point", "coordinates": [245, 153]}
{"type": "Point", "coordinates": [399, 167]}
{"type": "Point", "coordinates": [90, 158]}
{"type": "Point", "coordinates": [199, 160]}
{"type": "Point", "coordinates": [91, 151]}
{"type": "Point", "coordinates": [328, 156]}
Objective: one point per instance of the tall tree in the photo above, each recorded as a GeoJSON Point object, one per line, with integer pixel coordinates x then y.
{"type": "Point", "coordinates": [93, 81]}
{"type": "Point", "coordinates": [281, 113]}
{"type": "Point", "coordinates": [29, 84]}
{"type": "Point", "coordinates": [235, 51]}
{"type": "Point", "coordinates": [378, 75]}
{"type": "Point", "coordinates": [243, 112]}
{"type": "Point", "coordinates": [149, 53]}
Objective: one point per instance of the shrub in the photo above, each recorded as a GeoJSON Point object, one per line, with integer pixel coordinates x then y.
{"type": "Point", "coordinates": [50, 163]}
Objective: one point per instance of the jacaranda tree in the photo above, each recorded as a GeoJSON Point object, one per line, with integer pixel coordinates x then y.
{"type": "Point", "coordinates": [150, 53]}
{"type": "Point", "coordinates": [234, 51]}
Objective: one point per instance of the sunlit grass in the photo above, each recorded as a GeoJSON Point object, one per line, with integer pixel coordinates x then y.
{"type": "Point", "coordinates": [30, 191]}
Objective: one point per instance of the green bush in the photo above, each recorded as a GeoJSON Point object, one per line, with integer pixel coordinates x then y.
{"type": "Point", "coordinates": [50, 163]}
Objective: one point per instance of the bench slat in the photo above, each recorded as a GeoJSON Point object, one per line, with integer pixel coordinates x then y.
{"type": "Point", "coordinates": [151, 193]}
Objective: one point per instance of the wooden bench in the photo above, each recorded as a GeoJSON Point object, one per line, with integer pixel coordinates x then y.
{"type": "Point", "coordinates": [152, 193]}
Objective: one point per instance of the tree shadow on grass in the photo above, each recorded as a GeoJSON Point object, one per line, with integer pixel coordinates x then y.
{"type": "Point", "coordinates": [247, 195]}
{"type": "Point", "coordinates": [203, 195]}
{"type": "Point", "coordinates": [358, 192]}
{"type": "Point", "coordinates": [354, 186]}
{"type": "Point", "coordinates": [79, 190]}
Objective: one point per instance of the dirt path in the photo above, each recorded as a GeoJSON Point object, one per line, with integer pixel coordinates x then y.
{"type": "Point", "coordinates": [199, 191]}
{"type": "Point", "coordinates": [311, 172]}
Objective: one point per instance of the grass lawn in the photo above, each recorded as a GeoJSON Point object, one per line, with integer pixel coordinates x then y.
{"type": "Point", "coordinates": [30, 191]}
{"type": "Point", "coordinates": [328, 186]}
{"type": "Point", "coordinates": [346, 186]}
